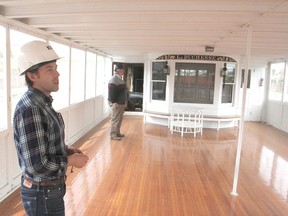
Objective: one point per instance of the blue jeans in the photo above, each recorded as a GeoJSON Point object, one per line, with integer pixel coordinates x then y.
{"type": "Point", "coordinates": [43, 200]}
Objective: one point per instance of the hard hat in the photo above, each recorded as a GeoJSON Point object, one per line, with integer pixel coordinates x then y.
{"type": "Point", "coordinates": [34, 53]}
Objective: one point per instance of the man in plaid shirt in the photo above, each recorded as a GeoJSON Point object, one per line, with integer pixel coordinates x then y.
{"type": "Point", "coordinates": [39, 134]}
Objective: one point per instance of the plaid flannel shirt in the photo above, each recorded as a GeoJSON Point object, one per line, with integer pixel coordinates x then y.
{"type": "Point", "coordinates": [39, 137]}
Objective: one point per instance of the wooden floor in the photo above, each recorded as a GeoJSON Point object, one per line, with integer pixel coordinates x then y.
{"type": "Point", "coordinates": [153, 173]}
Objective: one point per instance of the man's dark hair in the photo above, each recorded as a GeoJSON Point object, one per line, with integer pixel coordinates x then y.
{"type": "Point", "coordinates": [29, 83]}
{"type": "Point", "coordinates": [34, 69]}
{"type": "Point", "coordinates": [119, 66]}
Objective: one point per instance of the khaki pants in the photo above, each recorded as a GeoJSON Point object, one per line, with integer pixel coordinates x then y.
{"type": "Point", "coordinates": [116, 118]}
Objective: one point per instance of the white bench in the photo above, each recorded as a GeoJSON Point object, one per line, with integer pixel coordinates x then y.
{"type": "Point", "coordinates": [212, 118]}
{"type": "Point", "coordinates": [156, 115]}
{"type": "Point", "coordinates": [222, 118]}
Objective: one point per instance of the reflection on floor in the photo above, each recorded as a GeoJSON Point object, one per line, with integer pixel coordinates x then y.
{"type": "Point", "coordinates": [151, 172]}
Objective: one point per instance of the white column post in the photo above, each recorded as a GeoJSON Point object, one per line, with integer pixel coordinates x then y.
{"type": "Point", "coordinates": [240, 135]}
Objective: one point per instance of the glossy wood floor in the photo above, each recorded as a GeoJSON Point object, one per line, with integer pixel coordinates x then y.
{"type": "Point", "coordinates": [153, 173]}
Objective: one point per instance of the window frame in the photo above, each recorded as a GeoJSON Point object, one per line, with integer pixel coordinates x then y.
{"type": "Point", "coordinates": [231, 73]}
{"type": "Point", "coordinates": [3, 79]}
{"type": "Point", "coordinates": [280, 94]}
{"type": "Point", "coordinates": [158, 80]}
{"type": "Point", "coordinates": [77, 83]}
{"type": "Point", "coordinates": [195, 69]}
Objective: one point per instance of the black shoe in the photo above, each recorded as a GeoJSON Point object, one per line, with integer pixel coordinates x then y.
{"type": "Point", "coordinates": [115, 138]}
{"type": "Point", "coordinates": [120, 135]}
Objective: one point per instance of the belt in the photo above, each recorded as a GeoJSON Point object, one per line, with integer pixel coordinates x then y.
{"type": "Point", "coordinates": [52, 182]}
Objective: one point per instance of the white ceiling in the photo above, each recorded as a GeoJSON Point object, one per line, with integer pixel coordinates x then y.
{"type": "Point", "coordinates": [134, 28]}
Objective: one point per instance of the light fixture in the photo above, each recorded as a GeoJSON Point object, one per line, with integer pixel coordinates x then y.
{"type": "Point", "coordinates": [209, 48]}
{"type": "Point", "coordinates": [223, 70]}
{"type": "Point", "coordinates": [223, 73]}
{"type": "Point", "coordinates": [166, 69]}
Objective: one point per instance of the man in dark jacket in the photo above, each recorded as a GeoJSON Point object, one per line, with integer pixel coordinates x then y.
{"type": "Point", "coordinates": [116, 99]}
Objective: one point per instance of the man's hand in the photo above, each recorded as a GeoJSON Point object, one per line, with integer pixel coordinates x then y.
{"type": "Point", "coordinates": [71, 150]}
{"type": "Point", "coordinates": [78, 160]}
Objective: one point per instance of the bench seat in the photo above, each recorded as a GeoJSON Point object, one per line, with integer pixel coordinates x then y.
{"type": "Point", "coordinates": [213, 118]}
{"type": "Point", "coordinates": [221, 118]}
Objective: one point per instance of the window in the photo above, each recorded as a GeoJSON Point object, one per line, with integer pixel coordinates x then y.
{"type": "Point", "coordinates": [194, 83]}
{"type": "Point", "coordinates": [90, 75]}
{"type": "Point", "coordinates": [3, 84]}
{"type": "Point", "coordinates": [228, 86]}
{"type": "Point", "coordinates": [61, 97]}
{"type": "Point", "coordinates": [158, 81]}
{"type": "Point", "coordinates": [77, 75]}
{"type": "Point", "coordinates": [277, 71]}
{"type": "Point", "coordinates": [106, 76]}
{"type": "Point", "coordinates": [286, 83]}
{"type": "Point", "coordinates": [100, 75]}
{"type": "Point", "coordinates": [18, 85]}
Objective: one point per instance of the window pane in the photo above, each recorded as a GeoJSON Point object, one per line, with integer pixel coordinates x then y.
{"type": "Point", "coordinates": [158, 81]}
{"type": "Point", "coordinates": [77, 75]}
{"type": "Point", "coordinates": [18, 86]}
{"type": "Point", "coordinates": [202, 73]}
{"type": "Point", "coordinates": [61, 97]}
{"type": "Point", "coordinates": [159, 91]}
{"type": "Point", "coordinates": [90, 75]}
{"type": "Point", "coordinates": [3, 93]}
{"type": "Point", "coordinates": [100, 75]}
{"type": "Point", "coordinates": [276, 81]}
{"type": "Point", "coordinates": [157, 71]}
{"type": "Point", "coordinates": [230, 73]}
{"type": "Point", "coordinates": [227, 92]}
{"type": "Point", "coordinates": [228, 84]}
{"type": "Point", "coordinates": [194, 83]}
{"type": "Point", "coordinates": [286, 83]}
{"type": "Point", "coordinates": [106, 76]}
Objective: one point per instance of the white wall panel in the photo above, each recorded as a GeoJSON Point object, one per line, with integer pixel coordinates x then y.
{"type": "Point", "coordinates": [9, 169]}
{"type": "Point", "coordinates": [75, 121]}
{"type": "Point", "coordinates": [65, 116]}
{"type": "Point", "coordinates": [14, 170]}
{"type": "Point", "coordinates": [285, 118]}
{"type": "Point", "coordinates": [274, 113]}
{"type": "Point", "coordinates": [277, 115]}
{"type": "Point", "coordinates": [99, 105]}
{"type": "Point", "coordinates": [89, 112]}
{"type": "Point", "coordinates": [4, 181]}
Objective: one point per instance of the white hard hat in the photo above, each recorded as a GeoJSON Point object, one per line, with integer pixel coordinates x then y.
{"type": "Point", "coordinates": [33, 53]}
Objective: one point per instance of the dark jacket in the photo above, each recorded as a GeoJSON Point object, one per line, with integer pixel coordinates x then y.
{"type": "Point", "coordinates": [116, 90]}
